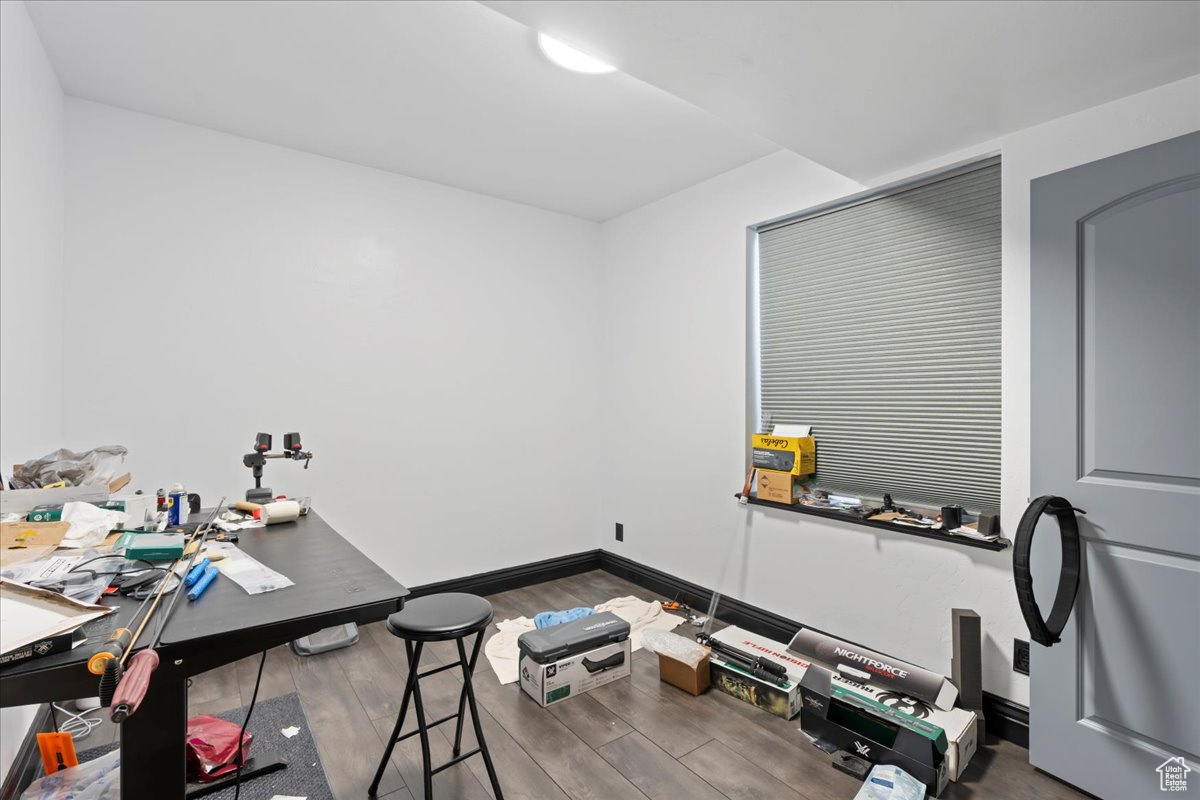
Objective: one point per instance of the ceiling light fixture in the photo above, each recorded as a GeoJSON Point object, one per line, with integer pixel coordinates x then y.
{"type": "Point", "coordinates": [568, 57]}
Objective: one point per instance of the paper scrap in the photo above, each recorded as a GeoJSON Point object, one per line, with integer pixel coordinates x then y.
{"type": "Point", "coordinates": [289, 796]}
{"type": "Point", "coordinates": [290, 732]}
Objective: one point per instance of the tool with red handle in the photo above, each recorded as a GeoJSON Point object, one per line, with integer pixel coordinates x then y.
{"type": "Point", "coordinates": [134, 679]}
{"type": "Point", "coordinates": [132, 689]}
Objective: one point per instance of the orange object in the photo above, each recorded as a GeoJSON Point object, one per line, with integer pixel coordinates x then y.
{"type": "Point", "coordinates": [114, 647]}
{"type": "Point", "coordinates": [58, 751]}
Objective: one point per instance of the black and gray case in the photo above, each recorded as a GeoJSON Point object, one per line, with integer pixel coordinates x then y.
{"type": "Point", "coordinates": [557, 642]}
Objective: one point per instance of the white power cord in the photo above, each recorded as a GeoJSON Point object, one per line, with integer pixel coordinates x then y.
{"type": "Point", "coordinates": [77, 725]}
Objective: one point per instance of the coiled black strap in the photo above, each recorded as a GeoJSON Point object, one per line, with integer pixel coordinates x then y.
{"type": "Point", "coordinates": [1047, 631]}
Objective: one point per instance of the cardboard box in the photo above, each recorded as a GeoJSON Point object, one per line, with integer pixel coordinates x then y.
{"type": "Point", "coordinates": [693, 680]}
{"type": "Point", "coordinates": [577, 674]}
{"type": "Point", "coordinates": [38, 622]}
{"type": "Point", "coordinates": [136, 506]}
{"type": "Point", "coordinates": [777, 487]}
{"type": "Point", "coordinates": [794, 454]}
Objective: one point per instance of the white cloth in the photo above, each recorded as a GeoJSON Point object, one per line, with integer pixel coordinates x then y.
{"type": "Point", "coordinates": [501, 650]}
{"type": "Point", "coordinates": [89, 524]}
{"type": "Point", "coordinates": [642, 615]}
{"type": "Point", "coordinates": [503, 654]}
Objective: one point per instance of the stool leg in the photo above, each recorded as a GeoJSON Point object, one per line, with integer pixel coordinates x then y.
{"type": "Point", "coordinates": [468, 669]}
{"type": "Point", "coordinates": [423, 733]}
{"type": "Point", "coordinates": [409, 686]}
{"type": "Point", "coordinates": [462, 706]}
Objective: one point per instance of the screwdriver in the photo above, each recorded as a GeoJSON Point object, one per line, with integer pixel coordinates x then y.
{"type": "Point", "coordinates": [135, 681]}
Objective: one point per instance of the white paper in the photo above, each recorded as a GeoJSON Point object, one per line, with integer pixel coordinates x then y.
{"type": "Point", "coordinates": [797, 431]}
{"type": "Point", "coordinates": [289, 796]}
{"type": "Point", "coordinates": [289, 732]}
{"type": "Point", "coordinates": [247, 572]}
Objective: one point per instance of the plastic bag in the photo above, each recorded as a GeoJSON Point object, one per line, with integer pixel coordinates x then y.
{"type": "Point", "coordinates": [887, 782]}
{"type": "Point", "coordinates": [672, 645]}
{"type": "Point", "coordinates": [98, 779]}
{"type": "Point", "coordinates": [96, 466]}
{"type": "Point", "coordinates": [212, 747]}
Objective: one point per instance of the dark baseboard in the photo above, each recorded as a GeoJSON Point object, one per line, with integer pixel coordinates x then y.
{"type": "Point", "coordinates": [27, 765]}
{"type": "Point", "coordinates": [1006, 719]}
{"type": "Point", "coordinates": [502, 580]}
{"type": "Point", "coordinates": [1003, 718]}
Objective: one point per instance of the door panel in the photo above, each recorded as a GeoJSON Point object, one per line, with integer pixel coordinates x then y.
{"type": "Point", "coordinates": [1132, 295]}
{"type": "Point", "coordinates": [1115, 274]}
{"type": "Point", "coordinates": [1135, 614]}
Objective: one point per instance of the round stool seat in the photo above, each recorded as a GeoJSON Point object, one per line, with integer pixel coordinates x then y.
{"type": "Point", "coordinates": [441, 616]}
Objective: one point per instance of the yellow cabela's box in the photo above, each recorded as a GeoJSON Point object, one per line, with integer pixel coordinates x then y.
{"type": "Point", "coordinates": [794, 454]}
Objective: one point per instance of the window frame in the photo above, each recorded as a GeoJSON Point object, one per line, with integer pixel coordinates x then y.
{"type": "Point", "coordinates": [753, 407]}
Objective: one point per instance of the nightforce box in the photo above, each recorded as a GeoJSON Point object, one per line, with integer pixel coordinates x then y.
{"type": "Point", "coordinates": [794, 454]}
{"type": "Point", "coordinates": [957, 723]}
{"type": "Point", "coordinates": [554, 682]}
{"type": "Point", "coordinates": [873, 731]}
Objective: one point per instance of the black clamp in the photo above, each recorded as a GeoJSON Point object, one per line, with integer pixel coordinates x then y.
{"type": "Point", "coordinates": [1048, 631]}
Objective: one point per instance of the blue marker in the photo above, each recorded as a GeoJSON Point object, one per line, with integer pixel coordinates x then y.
{"type": "Point", "coordinates": [208, 577]}
{"type": "Point", "coordinates": [196, 572]}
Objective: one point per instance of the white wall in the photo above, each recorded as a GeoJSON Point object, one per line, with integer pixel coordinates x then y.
{"type": "Point", "coordinates": [431, 345]}
{"type": "Point", "coordinates": [31, 269]}
{"type": "Point", "coordinates": [31, 249]}
{"type": "Point", "coordinates": [672, 362]}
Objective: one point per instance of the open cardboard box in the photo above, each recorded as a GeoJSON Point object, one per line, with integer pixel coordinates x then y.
{"type": "Point", "coordinates": [37, 622]}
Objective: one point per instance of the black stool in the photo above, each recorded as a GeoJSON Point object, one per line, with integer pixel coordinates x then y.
{"type": "Point", "coordinates": [440, 618]}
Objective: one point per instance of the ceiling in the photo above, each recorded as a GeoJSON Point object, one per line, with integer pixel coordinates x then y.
{"type": "Point", "coordinates": [868, 88]}
{"type": "Point", "coordinates": [456, 92]}
{"type": "Point", "coordinates": [451, 92]}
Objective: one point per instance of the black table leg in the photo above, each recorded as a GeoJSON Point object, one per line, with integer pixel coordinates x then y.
{"type": "Point", "coordinates": [152, 741]}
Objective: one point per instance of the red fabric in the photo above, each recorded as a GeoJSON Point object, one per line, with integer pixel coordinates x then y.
{"type": "Point", "coordinates": [212, 747]}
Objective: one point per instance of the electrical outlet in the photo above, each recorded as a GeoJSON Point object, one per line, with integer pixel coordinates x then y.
{"type": "Point", "coordinates": [1021, 656]}
{"type": "Point", "coordinates": [620, 532]}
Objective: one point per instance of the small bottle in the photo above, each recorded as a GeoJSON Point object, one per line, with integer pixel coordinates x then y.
{"type": "Point", "coordinates": [177, 505]}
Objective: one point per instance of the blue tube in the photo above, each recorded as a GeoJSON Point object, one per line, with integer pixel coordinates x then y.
{"type": "Point", "coordinates": [196, 572]}
{"type": "Point", "coordinates": [208, 577]}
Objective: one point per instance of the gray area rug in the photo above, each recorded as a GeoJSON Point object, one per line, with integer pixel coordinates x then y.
{"type": "Point", "coordinates": [304, 775]}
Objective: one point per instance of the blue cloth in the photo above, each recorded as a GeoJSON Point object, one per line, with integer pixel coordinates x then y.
{"type": "Point", "coordinates": [548, 618]}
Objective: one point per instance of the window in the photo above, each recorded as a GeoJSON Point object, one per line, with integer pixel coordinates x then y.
{"type": "Point", "coordinates": [878, 322]}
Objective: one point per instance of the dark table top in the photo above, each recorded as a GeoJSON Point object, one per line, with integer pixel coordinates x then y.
{"type": "Point", "coordinates": [334, 583]}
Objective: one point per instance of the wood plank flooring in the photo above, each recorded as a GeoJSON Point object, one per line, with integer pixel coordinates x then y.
{"type": "Point", "coordinates": [635, 738]}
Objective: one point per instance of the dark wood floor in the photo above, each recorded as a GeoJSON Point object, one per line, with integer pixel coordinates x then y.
{"type": "Point", "coordinates": [635, 738]}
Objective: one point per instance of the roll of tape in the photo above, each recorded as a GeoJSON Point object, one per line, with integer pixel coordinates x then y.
{"type": "Point", "coordinates": [279, 511]}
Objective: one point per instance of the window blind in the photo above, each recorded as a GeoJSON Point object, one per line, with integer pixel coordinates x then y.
{"type": "Point", "coordinates": [879, 325]}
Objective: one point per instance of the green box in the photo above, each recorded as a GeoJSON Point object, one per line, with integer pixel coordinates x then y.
{"type": "Point", "coordinates": [155, 546]}
{"type": "Point", "coordinates": [45, 514]}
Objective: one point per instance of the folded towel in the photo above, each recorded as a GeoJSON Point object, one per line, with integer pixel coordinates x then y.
{"type": "Point", "coordinates": [548, 618]}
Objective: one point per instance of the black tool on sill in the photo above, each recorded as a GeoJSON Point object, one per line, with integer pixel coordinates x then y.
{"type": "Point", "coordinates": [257, 460]}
{"type": "Point", "coordinates": [758, 666]}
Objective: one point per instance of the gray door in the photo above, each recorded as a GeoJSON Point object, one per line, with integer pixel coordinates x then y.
{"type": "Point", "coordinates": [1116, 431]}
